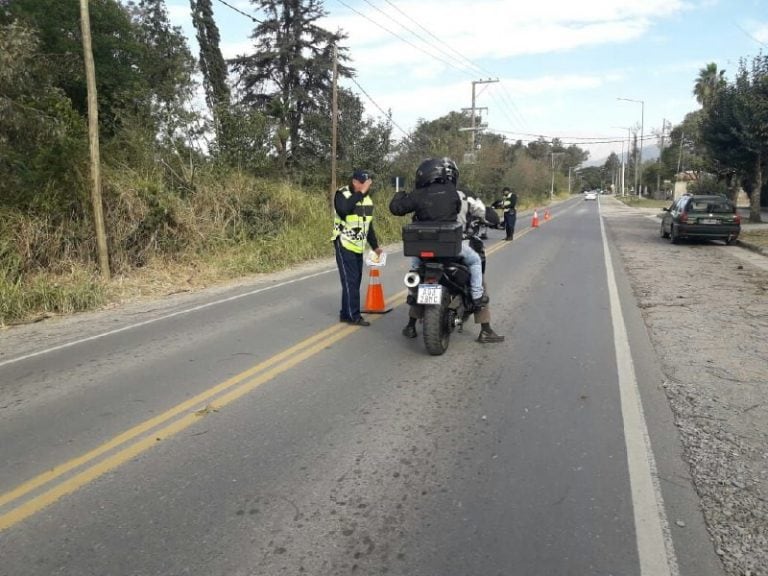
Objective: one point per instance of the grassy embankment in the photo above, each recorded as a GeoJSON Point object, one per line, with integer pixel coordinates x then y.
{"type": "Point", "coordinates": [228, 226]}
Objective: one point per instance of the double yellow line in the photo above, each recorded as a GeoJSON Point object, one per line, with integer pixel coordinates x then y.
{"type": "Point", "coordinates": [48, 487]}
{"type": "Point", "coordinates": [142, 437]}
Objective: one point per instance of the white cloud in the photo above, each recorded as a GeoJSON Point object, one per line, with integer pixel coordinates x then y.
{"type": "Point", "coordinates": [760, 32]}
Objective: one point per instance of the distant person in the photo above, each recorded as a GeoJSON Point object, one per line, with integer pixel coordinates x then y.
{"type": "Point", "coordinates": [509, 204]}
{"type": "Point", "coordinates": [352, 228]}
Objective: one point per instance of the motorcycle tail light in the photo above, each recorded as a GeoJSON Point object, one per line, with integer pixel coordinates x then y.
{"type": "Point", "coordinates": [427, 254]}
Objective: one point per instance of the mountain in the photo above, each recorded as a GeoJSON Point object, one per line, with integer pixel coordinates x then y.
{"type": "Point", "coordinates": [650, 152]}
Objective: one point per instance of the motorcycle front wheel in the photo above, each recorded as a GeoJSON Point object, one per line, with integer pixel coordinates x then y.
{"type": "Point", "coordinates": [437, 332]}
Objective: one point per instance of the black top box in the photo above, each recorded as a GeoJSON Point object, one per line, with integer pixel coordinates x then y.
{"type": "Point", "coordinates": [442, 239]}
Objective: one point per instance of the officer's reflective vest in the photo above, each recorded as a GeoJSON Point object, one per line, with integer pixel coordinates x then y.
{"type": "Point", "coordinates": [353, 230]}
{"type": "Point", "coordinates": [507, 204]}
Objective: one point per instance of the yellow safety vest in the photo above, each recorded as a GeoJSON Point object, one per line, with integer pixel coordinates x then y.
{"type": "Point", "coordinates": [353, 229]}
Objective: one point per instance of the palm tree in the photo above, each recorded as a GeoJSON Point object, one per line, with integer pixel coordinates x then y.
{"type": "Point", "coordinates": [708, 83]}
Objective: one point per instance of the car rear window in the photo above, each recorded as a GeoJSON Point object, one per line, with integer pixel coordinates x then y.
{"type": "Point", "coordinates": [712, 206]}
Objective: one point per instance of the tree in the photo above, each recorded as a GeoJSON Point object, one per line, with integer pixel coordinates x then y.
{"type": "Point", "coordinates": [43, 140]}
{"type": "Point", "coordinates": [363, 141]}
{"type": "Point", "coordinates": [116, 51]}
{"type": "Point", "coordinates": [166, 65]}
{"type": "Point", "coordinates": [213, 68]}
{"type": "Point", "coordinates": [708, 83]}
{"type": "Point", "coordinates": [290, 69]}
{"type": "Point", "coordinates": [735, 128]}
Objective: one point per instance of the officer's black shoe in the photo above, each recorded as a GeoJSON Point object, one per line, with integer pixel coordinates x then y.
{"type": "Point", "coordinates": [359, 322]}
{"type": "Point", "coordinates": [482, 301]}
{"type": "Point", "coordinates": [410, 331]}
{"type": "Point", "coordinates": [489, 336]}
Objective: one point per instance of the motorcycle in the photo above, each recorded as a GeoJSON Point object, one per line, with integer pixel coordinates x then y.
{"type": "Point", "coordinates": [440, 285]}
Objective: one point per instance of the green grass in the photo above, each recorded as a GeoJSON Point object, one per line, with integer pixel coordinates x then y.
{"type": "Point", "coordinates": [42, 295]}
{"type": "Point", "coordinates": [643, 202]}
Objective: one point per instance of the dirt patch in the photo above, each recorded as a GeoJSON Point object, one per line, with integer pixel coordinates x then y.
{"type": "Point", "coordinates": [706, 309]}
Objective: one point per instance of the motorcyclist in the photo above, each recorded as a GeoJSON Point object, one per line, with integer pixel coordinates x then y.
{"type": "Point", "coordinates": [436, 199]}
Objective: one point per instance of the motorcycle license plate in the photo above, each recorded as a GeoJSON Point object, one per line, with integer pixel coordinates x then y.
{"type": "Point", "coordinates": [429, 294]}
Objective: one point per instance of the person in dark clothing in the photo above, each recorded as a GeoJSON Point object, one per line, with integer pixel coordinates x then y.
{"type": "Point", "coordinates": [436, 198]}
{"type": "Point", "coordinates": [509, 205]}
{"type": "Point", "coordinates": [352, 228]}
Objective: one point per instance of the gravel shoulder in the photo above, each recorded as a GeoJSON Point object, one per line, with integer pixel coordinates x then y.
{"type": "Point", "coordinates": [705, 306]}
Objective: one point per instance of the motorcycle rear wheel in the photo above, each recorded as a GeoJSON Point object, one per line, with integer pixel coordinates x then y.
{"type": "Point", "coordinates": [437, 333]}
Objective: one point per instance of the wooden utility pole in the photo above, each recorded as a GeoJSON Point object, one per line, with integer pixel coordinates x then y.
{"type": "Point", "coordinates": [93, 138]}
{"type": "Point", "coordinates": [334, 123]}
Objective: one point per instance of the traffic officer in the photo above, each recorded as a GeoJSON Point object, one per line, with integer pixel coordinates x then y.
{"type": "Point", "coordinates": [509, 204]}
{"type": "Point", "coordinates": [352, 228]}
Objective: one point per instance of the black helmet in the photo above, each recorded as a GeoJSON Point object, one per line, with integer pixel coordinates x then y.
{"type": "Point", "coordinates": [436, 170]}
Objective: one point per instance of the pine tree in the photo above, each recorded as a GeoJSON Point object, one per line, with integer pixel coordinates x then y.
{"type": "Point", "coordinates": [290, 70]}
{"type": "Point", "coordinates": [212, 66]}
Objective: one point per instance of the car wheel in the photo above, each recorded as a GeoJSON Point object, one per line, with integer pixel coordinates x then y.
{"type": "Point", "coordinates": [673, 237]}
{"type": "Point", "coordinates": [664, 234]}
{"type": "Point", "coordinates": [730, 240]}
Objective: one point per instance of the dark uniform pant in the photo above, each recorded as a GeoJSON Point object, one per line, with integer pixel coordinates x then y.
{"type": "Point", "coordinates": [510, 218]}
{"type": "Point", "coordinates": [350, 266]}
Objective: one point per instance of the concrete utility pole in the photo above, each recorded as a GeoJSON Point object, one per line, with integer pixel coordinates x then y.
{"type": "Point", "coordinates": [639, 172]}
{"type": "Point", "coordinates": [334, 123]}
{"type": "Point", "coordinates": [93, 138]}
{"type": "Point", "coordinates": [661, 151]}
{"type": "Point", "coordinates": [552, 160]}
{"type": "Point", "coordinates": [473, 129]}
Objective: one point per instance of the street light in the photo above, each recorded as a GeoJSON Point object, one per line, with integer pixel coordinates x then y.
{"type": "Point", "coordinates": [642, 126]}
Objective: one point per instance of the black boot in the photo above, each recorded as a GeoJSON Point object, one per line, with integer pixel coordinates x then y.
{"type": "Point", "coordinates": [410, 329]}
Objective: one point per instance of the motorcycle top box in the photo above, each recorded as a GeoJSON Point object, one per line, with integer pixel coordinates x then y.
{"type": "Point", "coordinates": [432, 239]}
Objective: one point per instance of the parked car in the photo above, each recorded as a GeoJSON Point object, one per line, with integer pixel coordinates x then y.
{"type": "Point", "coordinates": [700, 216]}
{"type": "Point", "coordinates": [591, 195]}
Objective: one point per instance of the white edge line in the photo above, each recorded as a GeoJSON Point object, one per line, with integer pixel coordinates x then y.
{"type": "Point", "coordinates": [159, 319]}
{"type": "Point", "coordinates": [654, 543]}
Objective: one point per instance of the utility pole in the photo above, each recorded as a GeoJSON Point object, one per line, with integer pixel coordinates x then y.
{"type": "Point", "coordinates": [552, 160]}
{"type": "Point", "coordinates": [661, 151]}
{"type": "Point", "coordinates": [334, 123]}
{"type": "Point", "coordinates": [93, 139]}
{"type": "Point", "coordinates": [473, 110]}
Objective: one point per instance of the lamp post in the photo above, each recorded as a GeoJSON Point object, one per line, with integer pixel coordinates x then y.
{"type": "Point", "coordinates": [640, 156]}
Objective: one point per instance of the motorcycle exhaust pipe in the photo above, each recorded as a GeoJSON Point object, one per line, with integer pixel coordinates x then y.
{"type": "Point", "coordinates": [412, 279]}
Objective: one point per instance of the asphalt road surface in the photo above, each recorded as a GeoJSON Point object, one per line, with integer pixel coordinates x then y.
{"type": "Point", "coordinates": [246, 432]}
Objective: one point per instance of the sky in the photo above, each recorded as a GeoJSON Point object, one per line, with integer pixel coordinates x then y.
{"type": "Point", "coordinates": [562, 66]}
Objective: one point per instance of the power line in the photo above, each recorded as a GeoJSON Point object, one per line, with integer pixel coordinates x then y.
{"type": "Point", "coordinates": [451, 48]}
{"type": "Point", "coordinates": [241, 12]}
{"type": "Point", "coordinates": [449, 64]}
{"type": "Point", "coordinates": [395, 124]}
{"type": "Point", "coordinates": [513, 109]}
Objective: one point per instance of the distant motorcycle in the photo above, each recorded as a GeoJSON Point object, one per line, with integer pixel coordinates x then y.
{"type": "Point", "coordinates": [440, 285]}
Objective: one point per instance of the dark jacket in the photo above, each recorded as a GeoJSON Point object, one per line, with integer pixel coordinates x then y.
{"type": "Point", "coordinates": [438, 202]}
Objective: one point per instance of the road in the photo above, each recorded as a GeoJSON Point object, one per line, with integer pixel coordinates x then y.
{"type": "Point", "coordinates": [243, 431]}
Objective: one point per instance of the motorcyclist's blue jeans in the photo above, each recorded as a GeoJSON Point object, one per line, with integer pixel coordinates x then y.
{"type": "Point", "coordinates": [472, 261]}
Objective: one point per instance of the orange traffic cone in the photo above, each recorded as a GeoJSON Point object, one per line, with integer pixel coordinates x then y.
{"type": "Point", "coordinates": [535, 221]}
{"type": "Point", "coordinates": [547, 215]}
{"type": "Point", "coordinates": [374, 299]}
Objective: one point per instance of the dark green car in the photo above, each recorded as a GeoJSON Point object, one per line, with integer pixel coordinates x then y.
{"type": "Point", "coordinates": [707, 217]}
